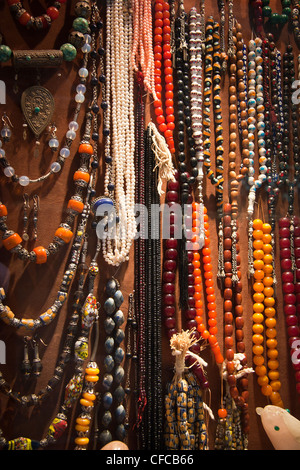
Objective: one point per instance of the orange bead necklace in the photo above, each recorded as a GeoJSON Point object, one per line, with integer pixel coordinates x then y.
{"type": "Point", "coordinates": [264, 314]}
{"type": "Point", "coordinates": [163, 57]}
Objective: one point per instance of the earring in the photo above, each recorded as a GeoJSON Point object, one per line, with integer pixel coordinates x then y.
{"type": "Point", "coordinates": [26, 207]}
{"type": "Point", "coordinates": [53, 142]}
{"type": "Point", "coordinates": [36, 206]}
{"type": "Point", "coordinates": [26, 366]}
{"type": "Point", "coordinates": [6, 129]}
{"type": "Point", "coordinates": [36, 363]}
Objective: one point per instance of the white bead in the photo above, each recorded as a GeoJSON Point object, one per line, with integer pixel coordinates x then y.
{"type": "Point", "coordinates": [24, 180]}
{"type": "Point", "coordinates": [86, 48]}
{"type": "Point", "coordinates": [9, 171]}
{"type": "Point", "coordinates": [73, 126]}
{"type": "Point", "coordinates": [81, 88]}
{"type": "Point", "coordinates": [55, 167]}
{"type": "Point", "coordinates": [83, 72]}
{"type": "Point", "coordinates": [64, 152]}
{"type": "Point", "coordinates": [79, 98]}
{"type": "Point", "coordinates": [53, 143]}
{"type": "Point", "coordinates": [71, 135]}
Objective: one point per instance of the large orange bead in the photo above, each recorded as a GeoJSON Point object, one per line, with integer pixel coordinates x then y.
{"type": "Point", "coordinates": [41, 254]}
{"type": "Point", "coordinates": [76, 205]}
{"type": "Point", "coordinates": [64, 234]}
{"type": "Point", "coordinates": [12, 241]}
{"type": "Point", "coordinates": [3, 210]}
{"type": "Point", "coordinates": [86, 148]}
{"type": "Point", "coordinates": [81, 176]}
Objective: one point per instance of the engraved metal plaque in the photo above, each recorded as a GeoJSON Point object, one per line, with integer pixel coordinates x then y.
{"type": "Point", "coordinates": [37, 105]}
{"type": "Point", "coordinates": [37, 58]}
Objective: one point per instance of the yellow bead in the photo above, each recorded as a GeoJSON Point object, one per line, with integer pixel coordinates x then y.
{"type": "Point", "coordinates": [273, 374]}
{"type": "Point", "coordinates": [266, 390]}
{"type": "Point", "coordinates": [268, 259]}
{"type": "Point", "coordinates": [258, 244]}
{"type": "Point", "coordinates": [89, 396]}
{"type": "Point", "coordinates": [258, 254]}
{"type": "Point", "coordinates": [81, 428]}
{"type": "Point", "coordinates": [258, 297]}
{"type": "Point", "coordinates": [273, 364]}
{"type": "Point", "coordinates": [272, 353]}
{"type": "Point", "coordinates": [276, 385]}
{"type": "Point", "coordinates": [92, 371]}
{"type": "Point", "coordinates": [86, 403]}
{"type": "Point", "coordinates": [258, 264]}
{"type": "Point", "coordinates": [267, 228]}
{"type": "Point", "coordinates": [271, 322]}
{"type": "Point", "coordinates": [257, 224]}
{"type": "Point", "coordinates": [91, 378]}
{"type": "Point", "coordinates": [267, 238]}
{"type": "Point", "coordinates": [267, 248]}
{"type": "Point", "coordinates": [258, 329]}
{"type": "Point", "coordinates": [268, 281]}
{"type": "Point", "coordinates": [269, 301]}
{"type": "Point", "coordinates": [257, 234]}
{"type": "Point", "coordinates": [261, 370]}
{"type": "Point", "coordinates": [258, 349]}
{"type": "Point", "coordinates": [271, 332]}
{"type": "Point", "coordinates": [257, 339]}
{"type": "Point", "coordinates": [270, 312]}
{"type": "Point", "coordinates": [83, 421]}
{"type": "Point", "coordinates": [258, 307]}
{"type": "Point", "coordinates": [258, 317]}
{"type": "Point", "coordinates": [262, 380]}
{"type": "Point", "coordinates": [81, 441]}
{"type": "Point", "coordinates": [258, 360]}
{"type": "Point", "coordinates": [258, 287]}
{"type": "Point", "coordinates": [268, 269]}
{"type": "Point", "coordinates": [268, 291]}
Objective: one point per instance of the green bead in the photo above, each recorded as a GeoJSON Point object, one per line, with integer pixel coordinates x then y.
{"type": "Point", "coordinates": [5, 53]}
{"type": "Point", "coordinates": [69, 52]}
{"type": "Point", "coordinates": [287, 11]}
{"type": "Point", "coordinates": [285, 3]}
{"type": "Point", "coordinates": [81, 24]}
{"type": "Point", "coordinates": [283, 19]}
{"type": "Point", "coordinates": [265, 3]}
{"type": "Point", "coordinates": [274, 18]}
{"type": "Point", "coordinates": [36, 110]}
{"type": "Point", "coordinates": [267, 11]}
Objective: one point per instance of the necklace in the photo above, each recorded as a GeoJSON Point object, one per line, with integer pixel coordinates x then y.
{"type": "Point", "coordinates": [38, 22]}
{"type": "Point", "coordinates": [162, 52]}
{"type": "Point", "coordinates": [120, 143]}
{"type": "Point", "coordinates": [276, 18]}
{"type": "Point", "coordinates": [264, 312]}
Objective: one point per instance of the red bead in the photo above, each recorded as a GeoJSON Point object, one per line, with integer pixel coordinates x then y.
{"type": "Point", "coordinates": [169, 311]}
{"type": "Point", "coordinates": [284, 243]}
{"type": "Point", "coordinates": [171, 243]}
{"type": "Point", "coordinates": [287, 276]}
{"type": "Point", "coordinates": [190, 313]}
{"type": "Point", "coordinates": [24, 18]}
{"type": "Point", "coordinates": [169, 276]}
{"type": "Point", "coordinates": [291, 320]}
{"type": "Point", "coordinates": [168, 288]}
{"type": "Point", "coordinates": [172, 196]}
{"type": "Point", "coordinates": [168, 299]}
{"type": "Point", "coordinates": [288, 287]}
{"type": "Point", "coordinates": [53, 13]}
{"type": "Point", "coordinates": [171, 254]}
{"type": "Point", "coordinates": [284, 232]}
{"type": "Point", "coordinates": [286, 264]}
{"type": "Point", "coordinates": [162, 127]}
{"type": "Point", "coordinates": [284, 222]}
{"type": "Point", "coordinates": [289, 309]}
{"type": "Point", "coordinates": [170, 322]}
{"type": "Point", "coordinates": [170, 265]}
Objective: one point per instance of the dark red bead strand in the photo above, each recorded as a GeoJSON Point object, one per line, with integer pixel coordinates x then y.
{"type": "Point", "coordinates": [289, 288]}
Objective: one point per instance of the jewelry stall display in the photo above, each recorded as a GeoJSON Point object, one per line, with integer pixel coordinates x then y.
{"type": "Point", "coordinates": [159, 142]}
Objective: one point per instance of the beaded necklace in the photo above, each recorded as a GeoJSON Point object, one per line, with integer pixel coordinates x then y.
{"type": "Point", "coordinates": [264, 312]}
{"type": "Point", "coordinates": [114, 372]}
{"type": "Point", "coordinates": [162, 52]}
{"type": "Point", "coordinates": [36, 23]}
{"type": "Point", "coordinates": [276, 18]}
{"type": "Point", "coordinates": [119, 133]}
{"type": "Point", "coordinates": [289, 262]}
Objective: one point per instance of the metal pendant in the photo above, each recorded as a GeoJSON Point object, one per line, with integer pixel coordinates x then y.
{"type": "Point", "coordinates": [37, 105]}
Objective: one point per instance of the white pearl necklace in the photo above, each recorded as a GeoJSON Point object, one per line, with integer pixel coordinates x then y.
{"type": "Point", "coordinates": [121, 142]}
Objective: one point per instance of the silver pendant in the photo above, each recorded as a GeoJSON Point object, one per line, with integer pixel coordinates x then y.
{"type": "Point", "coordinates": [37, 104]}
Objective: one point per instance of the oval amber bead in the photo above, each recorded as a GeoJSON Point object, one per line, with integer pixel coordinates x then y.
{"type": "Point", "coordinates": [83, 421]}
{"type": "Point", "coordinates": [91, 371]}
{"type": "Point", "coordinates": [81, 428]}
{"type": "Point", "coordinates": [82, 441]}
{"type": "Point", "coordinates": [89, 396]}
{"type": "Point", "coordinates": [86, 403]}
{"type": "Point", "coordinates": [91, 378]}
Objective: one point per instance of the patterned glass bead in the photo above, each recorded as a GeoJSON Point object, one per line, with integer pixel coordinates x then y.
{"type": "Point", "coordinates": [81, 24]}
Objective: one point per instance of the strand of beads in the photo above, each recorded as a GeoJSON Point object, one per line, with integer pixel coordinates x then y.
{"type": "Point", "coordinates": [38, 23]}
{"type": "Point", "coordinates": [114, 371]}
{"type": "Point", "coordinates": [277, 18]}
{"type": "Point", "coordinates": [264, 311]}
{"type": "Point", "coordinates": [289, 287]}
{"type": "Point", "coordinates": [118, 239]}
{"type": "Point", "coordinates": [162, 51]}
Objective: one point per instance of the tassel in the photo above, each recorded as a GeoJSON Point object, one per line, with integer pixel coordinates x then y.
{"type": "Point", "coordinates": [163, 158]}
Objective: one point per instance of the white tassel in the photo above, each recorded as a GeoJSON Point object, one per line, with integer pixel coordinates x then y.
{"type": "Point", "coordinates": [163, 158]}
